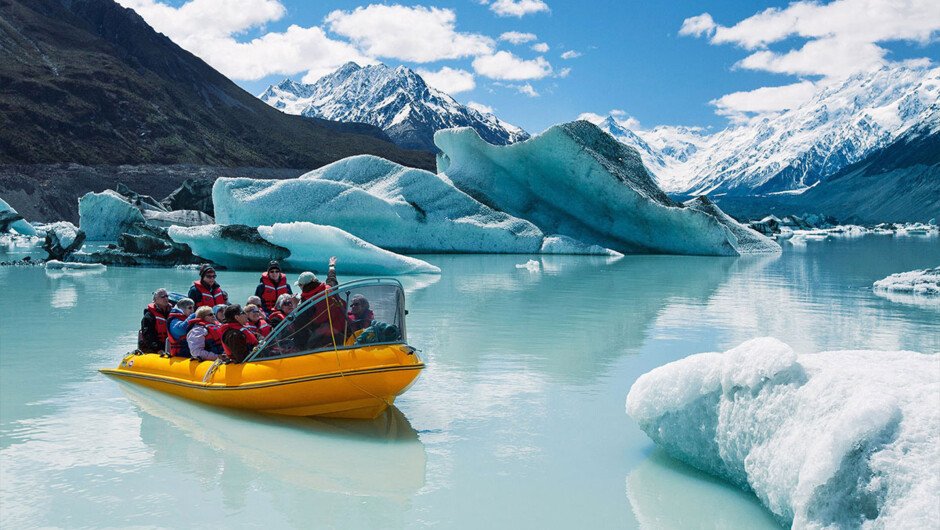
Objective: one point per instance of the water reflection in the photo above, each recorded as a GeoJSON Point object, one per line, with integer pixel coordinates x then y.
{"type": "Point", "coordinates": [381, 457]}
{"type": "Point", "coordinates": [665, 493]}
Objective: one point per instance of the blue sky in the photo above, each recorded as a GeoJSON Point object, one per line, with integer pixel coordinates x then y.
{"type": "Point", "coordinates": [688, 63]}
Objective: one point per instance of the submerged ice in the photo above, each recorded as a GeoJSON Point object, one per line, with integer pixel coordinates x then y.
{"type": "Point", "coordinates": [836, 439]}
{"type": "Point", "coordinates": [574, 179]}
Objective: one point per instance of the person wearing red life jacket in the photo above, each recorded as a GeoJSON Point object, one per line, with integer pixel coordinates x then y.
{"type": "Point", "coordinates": [206, 291]}
{"type": "Point", "coordinates": [204, 338]}
{"type": "Point", "coordinates": [178, 325]}
{"type": "Point", "coordinates": [153, 330]}
{"type": "Point", "coordinates": [282, 308]}
{"type": "Point", "coordinates": [256, 322]}
{"type": "Point", "coordinates": [325, 322]}
{"type": "Point", "coordinates": [272, 285]}
{"type": "Point", "coordinates": [360, 316]}
{"type": "Point", "coordinates": [237, 341]}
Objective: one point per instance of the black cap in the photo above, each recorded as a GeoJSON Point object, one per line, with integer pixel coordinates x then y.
{"type": "Point", "coordinates": [205, 269]}
{"type": "Point", "coordinates": [273, 264]}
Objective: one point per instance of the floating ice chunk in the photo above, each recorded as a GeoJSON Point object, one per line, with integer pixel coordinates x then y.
{"type": "Point", "coordinates": [299, 246]}
{"type": "Point", "coordinates": [178, 218]}
{"type": "Point", "coordinates": [233, 246]}
{"type": "Point", "coordinates": [575, 179]}
{"type": "Point", "coordinates": [105, 216]}
{"type": "Point", "coordinates": [312, 245]}
{"type": "Point", "coordinates": [64, 230]}
{"type": "Point", "coordinates": [14, 221]}
{"type": "Point", "coordinates": [836, 439]}
{"type": "Point", "coordinates": [388, 205]}
{"type": "Point", "coordinates": [531, 266]}
{"type": "Point", "coordinates": [559, 244]}
{"type": "Point", "coordinates": [749, 241]}
{"type": "Point", "coordinates": [61, 265]}
{"type": "Point", "coordinates": [913, 287]}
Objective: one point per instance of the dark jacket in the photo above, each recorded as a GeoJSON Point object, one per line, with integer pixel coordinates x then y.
{"type": "Point", "coordinates": [149, 341]}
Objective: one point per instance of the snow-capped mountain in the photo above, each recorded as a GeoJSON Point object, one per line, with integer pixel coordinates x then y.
{"type": "Point", "coordinates": [793, 150]}
{"type": "Point", "coordinates": [397, 100]}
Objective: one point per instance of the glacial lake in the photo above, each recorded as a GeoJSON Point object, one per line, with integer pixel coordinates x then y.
{"type": "Point", "coordinates": [518, 421]}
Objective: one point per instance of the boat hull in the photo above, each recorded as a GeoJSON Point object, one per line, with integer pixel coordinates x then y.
{"type": "Point", "coordinates": [350, 383]}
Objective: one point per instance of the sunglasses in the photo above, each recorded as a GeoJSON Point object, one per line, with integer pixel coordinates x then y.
{"type": "Point", "coordinates": [287, 303]}
{"type": "Point", "coordinates": [255, 311]}
{"type": "Point", "coordinates": [210, 275]}
{"type": "Point", "coordinates": [162, 296]}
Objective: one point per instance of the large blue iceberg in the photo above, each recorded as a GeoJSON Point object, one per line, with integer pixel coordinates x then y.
{"type": "Point", "coordinates": [841, 439]}
{"type": "Point", "coordinates": [576, 180]}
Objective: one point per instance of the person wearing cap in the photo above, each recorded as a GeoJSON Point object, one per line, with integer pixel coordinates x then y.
{"type": "Point", "coordinates": [178, 325]}
{"type": "Point", "coordinates": [237, 341]}
{"type": "Point", "coordinates": [219, 312]}
{"type": "Point", "coordinates": [325, 322]}
{"type": "Point", "coordinates": [272, 285]}
{"type": "Point", "coordinates": [206, 291]}
{"type": "Point", "coordinates": [153, 330]}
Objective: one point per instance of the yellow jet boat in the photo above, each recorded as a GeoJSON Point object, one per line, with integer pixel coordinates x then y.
{"type": "Point", "coordinates": [289, 373]}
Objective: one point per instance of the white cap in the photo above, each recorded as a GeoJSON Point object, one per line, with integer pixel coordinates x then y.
{"type": "Point", "coordinates": [305, 278]}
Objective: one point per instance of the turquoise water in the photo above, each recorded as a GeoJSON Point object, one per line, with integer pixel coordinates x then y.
{"type": "Point", "coordinates": [517, 422]}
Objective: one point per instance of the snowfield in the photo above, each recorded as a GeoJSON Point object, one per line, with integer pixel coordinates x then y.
{"type": "Point", "coordinates": [840, 439]}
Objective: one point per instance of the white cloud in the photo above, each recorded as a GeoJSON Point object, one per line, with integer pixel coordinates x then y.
{"type": "Point", "coordinates": [449, 80]}
{"type": "Point", "coordinates": [564, 72]}
{"type": "Point", "coordinates": [479, 107]}
{"type": "Point", "coordinates": [517, 8]}
{"type": "Point", "coordinates": [207, 28]}
{"type": "Point", "coordinates": [504, 65]}
{"type": "Point", "coordinates": [517, 37]}
{"type": "Point", "coordinates": [540, 47]}
{"type": "Point", "coordinates": [741, 106]}
{"type": "Point", "coordinates": [841, 37]}
{"type": "Point", "coordinates": [570, 54]}
{"type": "Point", "coordinates": [627, 122]}
{"type": "Point", "coordinates": [591, 117]}
{"type": "Point", "coordinates": [525, 89]}
{"type": "Point", "coordinates": [419, 34]}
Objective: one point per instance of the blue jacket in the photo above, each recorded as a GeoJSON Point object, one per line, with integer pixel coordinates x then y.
{"type": "Point", "coordinates": [177, 327]}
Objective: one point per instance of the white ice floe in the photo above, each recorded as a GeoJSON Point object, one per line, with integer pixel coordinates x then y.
{"type": "Point", "coordinates": [54, 264]}
{"type": "Point", "coordinates": [531, 265]}
{"type": "Point", "coordinates": [298, 245]}
{"type": "Point", "coordinates": [574, 179]}
{"type": "Point", "coordinates": [105, 216]}
{"type": "Point", "coordinates": [920, 286]}
{"type": "Point", "coordinates": [386, 204]}
{"type": "Point", "coordinates": [559, 244]}
{"type": "Point", "coordinates": [65, 231]}
{"type": "Point", "coordinates": [20, 226]}
{"type": "Point", "coordinates": [840, 439]}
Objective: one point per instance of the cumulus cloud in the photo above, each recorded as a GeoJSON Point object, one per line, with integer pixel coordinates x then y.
{"type": "Point", "coordinates": [698, 26]}
{"type": "Point", "coordinates": [449, 80]}
{"type": "Point", "coordinates": [419, 34]}
{"type": "Point", "coordinates": [540, 47]}
{"type": "Point", "coordinates": [504, 65]}
{"type": "Point", "coordinates": [207, 28]}
{"type": "Point", "coordinates": [479, 107]}
{"type": "Point", "coordinates": [517, 37]}
{"type": "Point", "coordinates": [517, 8]}
{"type": "Point", "coordinates": [741, 106]}
{"type": "Point", "coordinates": [525, 89]}
{"type": "Point", "coordinates": [570, 54]}
{"type": "Point", "coordinates": [564, 72]}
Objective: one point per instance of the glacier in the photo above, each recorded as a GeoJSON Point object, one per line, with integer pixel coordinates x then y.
{"type": "Point", "coordinates": [389, 205]}
{"type": "Point", "coordinates": [574, 179]}
{"type": "Point", "coordinates": [829, 440]}
{"type": "Point", "coordinates": [297, 245]}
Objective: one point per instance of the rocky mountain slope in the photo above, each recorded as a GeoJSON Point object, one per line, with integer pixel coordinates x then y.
{"type": "Point", "coordinates": [397, 100]}
{"type": "Point", "coordinates": [89, 82]}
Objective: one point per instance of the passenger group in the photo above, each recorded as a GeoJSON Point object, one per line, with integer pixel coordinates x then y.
{"type": "Point", "coordinates": [205, 326]}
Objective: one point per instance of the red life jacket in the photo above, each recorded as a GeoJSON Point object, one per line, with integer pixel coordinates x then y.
{"type": "Point", "coordinates": [178, 347]}
{"type": "Point", "coordinates": [249, 337]}
{"type": "Point", "coordinates": [213, 335]}
{"type": "Point", "coordinates": [356, 324]}
{"type": "Point", "coordinates": [209, 298]}
{"type": "Point", "coordinates": [272, 291]}
{"type": "Point", "coordinates": [262, 327]}
{"type": "Point", "coordinates": [337, 309]}
{"type": "Point", "coordinates": [160, 319]}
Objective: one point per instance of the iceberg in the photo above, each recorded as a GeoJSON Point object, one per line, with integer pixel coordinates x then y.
{"type": "Point", "coordinates": [836, 439]}
{"type": "Point", "coordinates": [917, 287]}
{"type": "Point", "coordinates": [298, 245]}
{"type": "Point", "coordinates": [575, 179]}
{"type": "Point", "coordinates": [68, 266]}
{"type": "Point", "coordinates": [559, 244]}
{"type": "Point", "coordinates": [386, 204]}
{"type": "Point", "coordinates": [105, 216]}
{"type": "Point", "coordinates": [748, 240]}
{"type": "Point", "coordinates": [11, 220]}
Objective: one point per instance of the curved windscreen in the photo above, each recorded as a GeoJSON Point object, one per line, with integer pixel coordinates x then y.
{"type": "Point", "coordinates": [350, 315]}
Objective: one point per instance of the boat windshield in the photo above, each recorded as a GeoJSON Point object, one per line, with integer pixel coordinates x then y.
{"type": "Point", "coordinates": [351, 315]}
